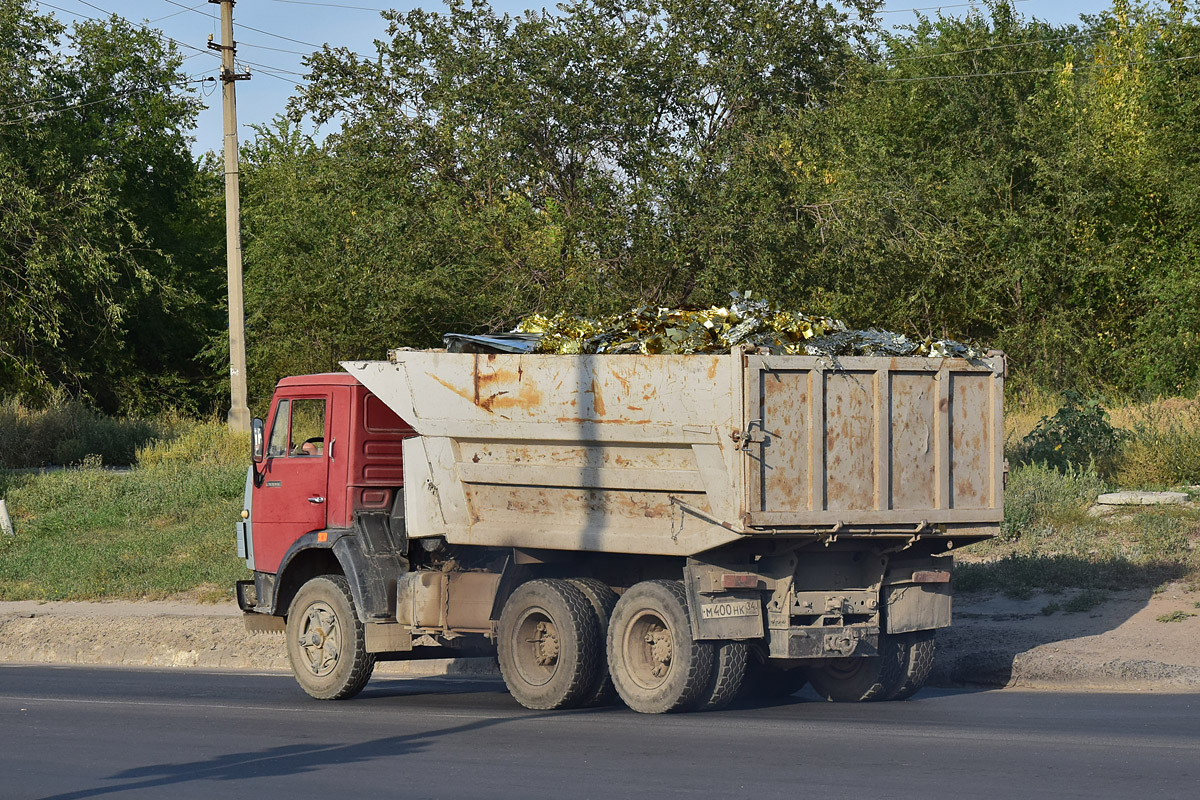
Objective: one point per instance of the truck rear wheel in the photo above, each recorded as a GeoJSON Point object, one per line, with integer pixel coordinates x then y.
{"type": "Point", "coordinates": [656, 665]}
{"type": "Point", "coordinates": [549, 645]}
{"type": "Point", "coordinates": [898, 672]}
{"type": "Point", "coordinates": [917, 651]}
{"type": "Point", "coordinates": [729, 673]}
{"type": "Point", "coordinates": [603, 600]}
{"type": "Point", "coordinates": [325, 640]}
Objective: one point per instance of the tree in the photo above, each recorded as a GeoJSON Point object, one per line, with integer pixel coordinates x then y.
{"type": "Point", "coordinates": [106, 237]}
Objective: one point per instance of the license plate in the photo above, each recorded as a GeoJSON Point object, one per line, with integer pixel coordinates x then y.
{"type": "Point", "coordinates": [730, 608]}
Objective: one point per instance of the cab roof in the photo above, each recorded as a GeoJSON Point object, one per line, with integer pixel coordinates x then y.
{"type": "Point", "coordinates": [320, 379]}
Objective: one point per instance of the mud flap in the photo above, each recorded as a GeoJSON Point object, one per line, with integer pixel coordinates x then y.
{"type": "Point", "coordinates": [723, 614]}
{"type": "Point", "coordinates": [917, 607]}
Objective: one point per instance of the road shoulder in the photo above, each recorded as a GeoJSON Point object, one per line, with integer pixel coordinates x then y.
{"type": "Point", "coordinates": [1119, 644]}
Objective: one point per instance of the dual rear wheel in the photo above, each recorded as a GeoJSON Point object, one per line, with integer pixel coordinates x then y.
{"type": "Point", "coordinates": [568, 643]}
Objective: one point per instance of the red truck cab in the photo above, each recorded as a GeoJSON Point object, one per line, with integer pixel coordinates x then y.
{"type": "Point", "coordinates": [329, 452]}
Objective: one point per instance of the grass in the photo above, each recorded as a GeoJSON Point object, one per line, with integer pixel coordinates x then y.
{"type": "Point", "coordinates": [1050, 543]}
{"type": "Point", "coordinates": [163, 528]}
{"type": "Point", "coordinates": [1174, 616]}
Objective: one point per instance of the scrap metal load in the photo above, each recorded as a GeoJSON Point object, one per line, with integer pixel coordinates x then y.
{"type": "Point", "coordinates": [753, 323]}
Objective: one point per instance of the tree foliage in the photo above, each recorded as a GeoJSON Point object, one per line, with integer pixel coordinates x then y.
{"type": "Point", "coordinates": [985, 176]}
{"type": "Point", "coordinates": [106, 235]}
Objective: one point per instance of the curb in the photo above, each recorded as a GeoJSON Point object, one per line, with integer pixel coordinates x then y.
{"type": "Point", "coordinates": [100, 635]}
{"type": "Point", "coordinates": [196, 642]}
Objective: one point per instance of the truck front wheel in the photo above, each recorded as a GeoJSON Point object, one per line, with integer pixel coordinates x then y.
{"type": "Point", "coordinates": [549, 645]}
{"type": "Point", "coordinates": [655, 663]}
{"type": "Point", "coordinates": [325, 640]}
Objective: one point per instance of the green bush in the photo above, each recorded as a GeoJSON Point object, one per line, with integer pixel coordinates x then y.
{"type": "Point", "coordinates": [1078, 436]}
{"type": "Point", "coordinates": [65, 432]}
{"type": "Point", "coordinates": [1039, 497]}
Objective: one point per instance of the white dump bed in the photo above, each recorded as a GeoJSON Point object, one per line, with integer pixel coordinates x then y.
{"type": "Point", "coordinates": [675, 455]}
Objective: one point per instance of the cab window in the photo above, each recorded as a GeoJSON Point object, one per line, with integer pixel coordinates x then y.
{"type": "Point", "coordinates": [279, 431]}
{"type": "Point", "coordinates": [308, 429]}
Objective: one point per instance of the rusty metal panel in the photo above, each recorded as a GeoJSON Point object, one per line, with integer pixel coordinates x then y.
{"type": "Point", "coordinates": [970, 447]}
{"type": "Point", "coordinates": [874, 442]}
{"type": "Point", "coordinates": [781, 472]}
{"type": "Point", "coordinates": [913, 443]}
{"type": "Point", "coordinates": [849, 441]}
{"type": "Point", "coordinates": [599, 453]}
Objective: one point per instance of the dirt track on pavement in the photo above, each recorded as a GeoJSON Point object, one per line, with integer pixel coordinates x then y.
{"type": "Point", "coordinates": [995, 641]}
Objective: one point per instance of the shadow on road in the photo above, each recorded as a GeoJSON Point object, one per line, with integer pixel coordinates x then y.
{"type": "Point", "coordinates": [287, 760]}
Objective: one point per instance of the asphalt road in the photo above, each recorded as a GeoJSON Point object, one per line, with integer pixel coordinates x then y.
{"type": "Point", "coordinates": [72, 732]}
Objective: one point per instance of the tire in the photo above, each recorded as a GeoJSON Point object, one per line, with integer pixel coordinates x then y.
{"type": "Point", "coordinates": [657, 667]}
{"type": "Point", "coordinates": [325, 641]}
{"type": "Point", "coordinates": [729, 675]}
{"type": "Point", "coordinates": [898, 672]}
{"type": "Point", "coordinates": [917, 650]}
{"type": "Point", "coordinates": [764, 681]}
{"type": "Point", "coordinates": [854, 680]}
{"type": "Point", "coordinates": [549, 645]}
{"type": "Point", "coordinates": [603, 600]}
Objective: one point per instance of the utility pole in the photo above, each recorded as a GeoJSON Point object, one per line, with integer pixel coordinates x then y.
{"type": "Point", "coordinates": [239, 410]}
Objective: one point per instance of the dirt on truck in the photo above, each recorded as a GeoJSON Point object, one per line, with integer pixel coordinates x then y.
{"type": "Point", "coordinates": [669, 530]}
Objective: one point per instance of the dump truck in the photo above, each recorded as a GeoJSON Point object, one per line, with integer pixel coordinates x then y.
{"type": "Point", "coordinates": [666, 530]}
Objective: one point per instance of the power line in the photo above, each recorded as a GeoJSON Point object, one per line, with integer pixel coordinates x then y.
{"type": "Point", "coordinates": [330, 5]}
{"type": "Point", "coordinates": [938, 8]}
{"type": "Point", "coordinates": [1029, 43]}
{"type": "Point", "coordinates": [177, 13]}
{"type": "Point", "coordinates": [186, 8]}
{"type": "Point", "coordinates": [157, 34]}
{"type": "Point", "coordinates": [269, 74]}
{"type": "Point", "coordinates": [275, 49]}
{"type": "Point", "coordinates": [114, 96]}
{"type": "Point", "coordinates": [279, 36]}
{"type": "Point", "coordinates": [1027, 71]}
{"type": "Point", "coordinates": [313, 45]}
{"type": "Point", "coordinates": [270, 67]}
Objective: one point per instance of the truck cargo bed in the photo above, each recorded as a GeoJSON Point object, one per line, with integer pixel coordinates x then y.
{"type": "Point", "coordinates": [676, 455]}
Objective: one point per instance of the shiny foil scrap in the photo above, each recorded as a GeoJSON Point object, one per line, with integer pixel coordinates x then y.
{"type": "Point", "coordinates": [649, 330]}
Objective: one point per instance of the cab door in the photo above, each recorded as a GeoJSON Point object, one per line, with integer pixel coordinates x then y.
{"type": "Point", "coordinates": [290, 500]}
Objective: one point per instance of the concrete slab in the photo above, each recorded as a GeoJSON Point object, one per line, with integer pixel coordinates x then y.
{"type": "Point", "coordinates": [1142, 498]}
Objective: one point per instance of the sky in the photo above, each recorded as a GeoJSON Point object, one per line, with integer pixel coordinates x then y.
{"type": "Point", "coordinates": [287, 30]}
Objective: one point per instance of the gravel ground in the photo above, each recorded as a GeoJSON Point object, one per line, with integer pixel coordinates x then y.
{"type": "Point", "coordinates": [995, 641]}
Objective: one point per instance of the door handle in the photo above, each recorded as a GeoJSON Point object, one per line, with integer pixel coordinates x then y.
{"type": "Point", "coordinates": [316, 500]}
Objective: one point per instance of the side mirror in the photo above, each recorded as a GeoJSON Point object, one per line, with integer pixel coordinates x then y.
{"type": "Point", "coordinates": [257, 440]}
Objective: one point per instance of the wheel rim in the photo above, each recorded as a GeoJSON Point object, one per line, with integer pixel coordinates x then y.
{"type": "Point", "coordinates": [648, 649]}
{"type": "Point", "coordinates": [320, 639]}
{"type": "Point", "coordinates": [536, 647]}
